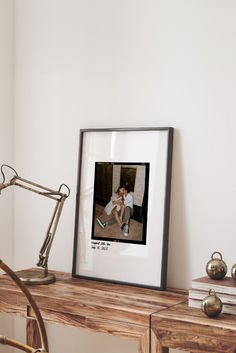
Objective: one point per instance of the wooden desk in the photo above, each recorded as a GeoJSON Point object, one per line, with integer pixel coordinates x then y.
{"type": "Point", "coordinates": [118, 310]}
{"type": "Point", "coordinates": [189, 329]}
{"type": "Point", "coordinates": [155, 319]}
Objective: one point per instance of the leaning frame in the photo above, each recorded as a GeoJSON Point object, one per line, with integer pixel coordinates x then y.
{"type": "Point", "coordinates": [163, 282]}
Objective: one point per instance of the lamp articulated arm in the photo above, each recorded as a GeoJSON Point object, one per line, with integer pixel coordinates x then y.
{"type": "Point", "coordinates": [57, 196]}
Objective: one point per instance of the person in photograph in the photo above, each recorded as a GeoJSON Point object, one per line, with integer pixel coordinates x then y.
{"type": "Point", "coordinates": [121, 210]}
{"type": "Point", "coordinates": [128, 209]}
{"type": "Point", "coordinates": [115, 208]}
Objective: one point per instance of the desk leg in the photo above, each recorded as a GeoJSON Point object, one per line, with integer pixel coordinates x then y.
{"type": "Point", "coordinates": [32, 333]}
{"type": "Point", "coordinates": [144, 343]}
{"type": "Point", "coordinates": [156, 346]}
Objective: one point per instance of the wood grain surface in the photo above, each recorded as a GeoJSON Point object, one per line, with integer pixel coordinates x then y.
{"type": "Point", "coordinates": [185, 328]}
{"type": "Point", "coordinates": [119, 310]}
{"type": "Point", "coordinates": [83, 297]}
{"type": "Point", "coordinates": [157, 320]}
{"type": "Point", "coordinates": [32, 334]}
{"type": "Point", "coordinates": [156, 346]}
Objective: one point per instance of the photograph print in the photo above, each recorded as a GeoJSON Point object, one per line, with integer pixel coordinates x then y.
{"type": "Point", "coordinates": [120, 202]}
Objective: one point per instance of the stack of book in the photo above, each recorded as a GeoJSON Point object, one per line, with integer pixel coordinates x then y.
{"type": "Point", "coordinates": [225, 289]}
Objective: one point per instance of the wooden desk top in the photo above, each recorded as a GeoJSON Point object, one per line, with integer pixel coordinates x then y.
{"type": "Point", "coordinates": [185, 328]}
{"type": "Point", "coordinates": [125, 311]}
{"type": "Point", "coordinates": [184, 313]}
{"type": "Point", "coordinates": [73, 300]}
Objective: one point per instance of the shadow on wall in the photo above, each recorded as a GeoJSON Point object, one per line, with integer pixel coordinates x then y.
{"type": "Point", "coordinates": [178, 255]}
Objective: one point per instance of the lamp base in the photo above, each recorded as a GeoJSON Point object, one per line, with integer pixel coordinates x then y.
{"type": "Point", "coordinates": [36, 276]}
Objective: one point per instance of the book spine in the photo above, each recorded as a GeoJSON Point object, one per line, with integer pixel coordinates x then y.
{"type": "Point", "coordinates": [227, 309]}
{"type": "Point", "coordinates": [217, 288]}
{"type": "Point", "coordinates": [200, 295]}
{"type": "Point", "coordinates": [225, 286]}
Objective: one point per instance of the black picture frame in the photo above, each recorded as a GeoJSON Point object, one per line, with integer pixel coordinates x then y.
{"type": "Point", "coordinates": [166, 208]}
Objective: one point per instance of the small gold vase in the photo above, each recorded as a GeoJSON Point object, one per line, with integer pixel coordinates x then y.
{"type": "Point", "coordinates": [212, 305]}
{"type": "Point", "coordinates": [233, 272]}
{"type": "Point", "coordinates": [216, 268]}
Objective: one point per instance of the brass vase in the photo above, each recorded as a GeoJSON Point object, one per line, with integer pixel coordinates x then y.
{"type": "Point", "coordinates": [212, 305]}
{"type": "Point", "coordinates": [233, 272]}
{"type": "Point", "coordinates": [216, 268]}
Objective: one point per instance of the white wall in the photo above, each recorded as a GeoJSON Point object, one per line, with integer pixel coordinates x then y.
{"type": "Point", "coordinates": [6, 142]}
{"type": "Point", "coordinates": [87, 63]}
{"type": "Point", "coordinates": [6, 123]}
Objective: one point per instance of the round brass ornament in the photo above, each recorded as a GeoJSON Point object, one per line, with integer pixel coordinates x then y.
{"type": "Point", "coordinates": [216, 268]}
{"type": "Point", "coordinates": [233, 272]}
{"type": "Point", "coordinates": [212, 305]}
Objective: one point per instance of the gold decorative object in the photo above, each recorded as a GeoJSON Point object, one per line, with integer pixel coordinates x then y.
{"type": "Point", "coordinates": [212, 305]}
{"type": "Point", "coordinates": [216, 268]}
{"type": "Point", "coordinates": [233, 272]}
{"type": "Point", "coordinates": [42, 330]}
{"type": "Point", "coordinates": [36, 276]}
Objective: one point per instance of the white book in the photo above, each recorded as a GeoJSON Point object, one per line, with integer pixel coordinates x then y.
{"type": "Point", "coordinates": [201, 294]}
{"type": "Point", "coordinates": [227, 309]}
{"type": "Point", "coordinates": [226, 285]}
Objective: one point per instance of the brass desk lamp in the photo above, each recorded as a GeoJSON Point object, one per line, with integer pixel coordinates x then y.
{"type": "Point", "coordinates": [35, 276]}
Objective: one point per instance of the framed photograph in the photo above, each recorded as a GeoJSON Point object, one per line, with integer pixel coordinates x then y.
{"type": "Point", "coordinates": [120, 202]}
{"type": "Point", "coordinates": [123, 206]}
